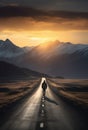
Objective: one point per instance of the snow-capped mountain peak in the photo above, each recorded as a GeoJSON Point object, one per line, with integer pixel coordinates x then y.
{"type": "Point", "coordinates": [9, 43]}
{"type": "Point", "coordinates": [9, 49]}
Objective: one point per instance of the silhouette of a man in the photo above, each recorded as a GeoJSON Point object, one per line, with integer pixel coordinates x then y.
{"type": "Point", "coordinates": [44, 86]}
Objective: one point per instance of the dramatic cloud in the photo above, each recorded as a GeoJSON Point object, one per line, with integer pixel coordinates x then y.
{"type": "Point", "coordinates": [21, 18]}
{"type": "Point", "coordinates": [69, 5]}
{"type": "Point", "coordinates": [35, 25]}
{"type": "Point", "coordinates": [16, 11]}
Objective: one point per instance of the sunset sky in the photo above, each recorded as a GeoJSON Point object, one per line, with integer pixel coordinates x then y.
{"type": "Point", "coordinates": [31, 22]}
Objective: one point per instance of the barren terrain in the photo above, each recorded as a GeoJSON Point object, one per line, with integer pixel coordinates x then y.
{"type": "Point", "coordinates": [75, 90]}
{"type": "Point", "coordinates": [14, 90]}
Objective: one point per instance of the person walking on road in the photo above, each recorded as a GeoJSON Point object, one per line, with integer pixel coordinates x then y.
{"type": "Point", "coordinates": [44, 87]}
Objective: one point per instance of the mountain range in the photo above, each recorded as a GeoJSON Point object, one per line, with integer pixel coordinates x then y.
{"type": "Point", "coordinates": [54, 58]}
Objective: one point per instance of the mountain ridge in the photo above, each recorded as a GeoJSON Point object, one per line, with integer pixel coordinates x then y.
{"type": "Point", "coordinates": [9, 49]}
{"type": "Point", "coordinates": [10, 70]}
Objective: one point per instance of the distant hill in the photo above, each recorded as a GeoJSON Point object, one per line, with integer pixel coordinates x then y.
{"type": "Point", "coordinates": [9, 70]}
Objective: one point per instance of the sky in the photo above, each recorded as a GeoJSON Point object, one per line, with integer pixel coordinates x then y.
{"type": "Point", "coordinates": [31, 22]}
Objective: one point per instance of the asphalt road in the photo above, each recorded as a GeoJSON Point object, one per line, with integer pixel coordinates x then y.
{"type": "Point", "coordinates": [49, 112]}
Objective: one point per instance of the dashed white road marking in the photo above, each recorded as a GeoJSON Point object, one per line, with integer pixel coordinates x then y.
{"type": "Point", "coordinates": [41, 125]}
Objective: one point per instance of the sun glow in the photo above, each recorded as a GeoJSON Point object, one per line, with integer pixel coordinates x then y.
{"type": "Point", "coordinates": [38, 40]}
{"type": "Point", "coordinates": [33, 38]}
{"type": "Point", "coordinates": [27, 31]}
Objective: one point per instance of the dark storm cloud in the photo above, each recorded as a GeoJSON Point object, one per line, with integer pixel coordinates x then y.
{"type": "Point", "coordinates": [16, 11]}
{"type": "Point", "coordinates": [18, 17]}
{"type": "Point", "coordinates": [40, 15]}
{"type": "Point", "coordinates": [69, 5]}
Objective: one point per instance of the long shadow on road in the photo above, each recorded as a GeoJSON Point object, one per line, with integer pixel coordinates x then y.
{"type": "Point", "coordinates": [50, 100]}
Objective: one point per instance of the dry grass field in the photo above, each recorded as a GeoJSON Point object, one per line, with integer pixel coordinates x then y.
{"type": "Point", "coordinates": [72, 89]}
{"type": "Point", "coordinates": [12, 91]}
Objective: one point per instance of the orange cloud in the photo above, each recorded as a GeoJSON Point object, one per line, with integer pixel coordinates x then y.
{"type": "Point", "coordinates": [37, 26]}
{"type": "Point", "coordinates": [22, 24]}
{"type": "Point", "coordinates": [25, 18]}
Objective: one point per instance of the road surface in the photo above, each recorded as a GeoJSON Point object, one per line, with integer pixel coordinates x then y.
{"type": "Point", "coordinates": [47, 112]}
